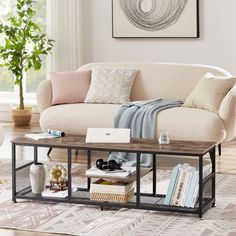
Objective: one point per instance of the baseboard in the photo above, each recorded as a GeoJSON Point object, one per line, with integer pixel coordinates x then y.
{"type": "Point", "coordinates": [5, 112]}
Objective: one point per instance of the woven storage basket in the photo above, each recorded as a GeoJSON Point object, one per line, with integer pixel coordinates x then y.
{"type": "Point", "coordinates": [111, 193]}
{"type": "Point", "coordinates": [21, 120]}
{"type": "Point", "coordinates": [21, 117]}
{"type": "Point", "coordinates": [112, 197]}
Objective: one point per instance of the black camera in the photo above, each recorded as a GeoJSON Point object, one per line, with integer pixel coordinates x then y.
{"type": "Point", "coordinates": [107, 165]}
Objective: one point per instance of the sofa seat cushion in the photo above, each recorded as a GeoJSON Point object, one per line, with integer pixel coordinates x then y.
{"type": "Point", "coordinates": [76, 118]}
{"type": "Point", "coordinates": [181, 123]}
{"type": "Point", "coordinates": [191, 124]}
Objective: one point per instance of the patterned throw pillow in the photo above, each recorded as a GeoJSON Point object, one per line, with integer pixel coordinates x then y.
{"type": "Point", "coordinates": [110, 85]}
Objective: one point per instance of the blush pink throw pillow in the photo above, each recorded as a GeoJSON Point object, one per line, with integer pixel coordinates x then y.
{"type": "Point", "coordinates": [69, 87]}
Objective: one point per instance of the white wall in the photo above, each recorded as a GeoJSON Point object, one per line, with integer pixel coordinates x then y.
{"type": "Point", "coordinates": [216, 45]}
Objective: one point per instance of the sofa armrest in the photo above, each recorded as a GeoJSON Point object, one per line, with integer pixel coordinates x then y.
{"type": "Point", "coordinates": [44, 95]}
{"type": "Point", "coordinates": [227, 113]}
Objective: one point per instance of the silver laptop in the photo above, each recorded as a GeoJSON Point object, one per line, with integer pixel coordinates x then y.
{"type": "Point", "coordinates": [107, 135]}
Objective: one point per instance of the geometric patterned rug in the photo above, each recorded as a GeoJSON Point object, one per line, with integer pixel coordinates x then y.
{"type": "Point", "coordinates": [74, 219]}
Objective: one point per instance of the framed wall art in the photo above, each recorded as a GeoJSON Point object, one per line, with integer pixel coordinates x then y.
{"type": "Point", "coordinates": [155, 18]}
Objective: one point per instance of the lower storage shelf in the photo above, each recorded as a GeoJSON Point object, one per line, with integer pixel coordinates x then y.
{"type": "Point", "coordinates": [146, 202]}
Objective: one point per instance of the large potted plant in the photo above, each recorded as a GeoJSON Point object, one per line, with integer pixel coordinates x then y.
{"type": "Point", "coordinates": [23, 44]}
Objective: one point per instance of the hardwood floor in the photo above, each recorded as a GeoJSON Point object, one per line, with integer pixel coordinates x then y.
{"type": "Point", "coordinates": [226, 163]}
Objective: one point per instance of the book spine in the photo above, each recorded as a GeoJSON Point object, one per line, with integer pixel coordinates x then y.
{"type": "Point", "coordinates": [194, 181]}
{"type": "Point", "coordinates": [171, 186]}
{"type": "Point", "coordinates": [185, 188]}
{"type": "Point", "coordinates": [195, 196]}
{"type": "Point", "coordinates": [177, 183]}
{"type": "Point", "coordinates": [179, 188]}
{"type": "Point", "coordinates": [175, 186]}
{"type": "Point", "coordinates": [190, 170]}
{"type": "Point", "coordinates": [188, 187]}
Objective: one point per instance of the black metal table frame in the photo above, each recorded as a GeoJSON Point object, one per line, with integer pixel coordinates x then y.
{"type": "Point", "coordinates": [203, 206]}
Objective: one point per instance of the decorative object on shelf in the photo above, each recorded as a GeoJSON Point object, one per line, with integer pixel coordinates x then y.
{"type": "Point", "coordinates": [3, 181]}
{"type": "Point", "coordinates": [58, 179]}
{"type": "Point", "coordinates": [164, 138]}
{"type": "Point", "coordinates": [155, 18]}
{"type": "Point", "coordinates": [38, 177]}
{"type": "Point", "coordinates": [58, 186]}
{"type": "Point", "coordinates": [23, 45]}
{"type": "Point", "coordinates": [108, 165]}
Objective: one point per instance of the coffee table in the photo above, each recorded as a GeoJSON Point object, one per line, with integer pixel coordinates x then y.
{"type": "Point", "coordinates": [150, 201]}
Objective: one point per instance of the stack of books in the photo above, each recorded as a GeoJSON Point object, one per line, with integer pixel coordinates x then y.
{"type": "Point", "coordinates": [183, 188]}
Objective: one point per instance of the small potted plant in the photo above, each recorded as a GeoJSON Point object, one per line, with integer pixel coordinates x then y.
{"type": "Point", "coordinates": [23, 45]}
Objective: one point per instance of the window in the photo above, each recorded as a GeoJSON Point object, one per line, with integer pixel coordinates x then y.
{"type": "Point", "coordinates": [35, 77]}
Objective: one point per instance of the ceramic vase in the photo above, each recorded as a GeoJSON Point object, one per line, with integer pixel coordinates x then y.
{"type": "Point", "coordinates": [38, 177]}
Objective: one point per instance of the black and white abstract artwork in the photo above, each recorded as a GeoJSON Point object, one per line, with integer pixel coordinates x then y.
{"type": "Point", "coordinates": [155, 18]}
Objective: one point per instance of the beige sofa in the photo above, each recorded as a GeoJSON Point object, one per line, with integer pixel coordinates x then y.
{"type": "Point", "coordinates": [154, 80]}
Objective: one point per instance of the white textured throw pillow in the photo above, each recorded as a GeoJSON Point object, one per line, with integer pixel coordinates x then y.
{"type": "Point", "coordinates": [110, 85]}
{"type": "Point", "coordinates": [209, 92]}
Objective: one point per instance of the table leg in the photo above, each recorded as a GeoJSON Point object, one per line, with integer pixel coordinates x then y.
{"type": "Point", "coordinates": [138, 180]}
{"type": "Point", "coordinates": [88, 167]}
{"type": "Point", "coordinates": [154, 176]}
{"type": "Point", "coordinates": [49, 151]}
{"type": "Point", "coordinates": [219, 149]}
{"type": "Point", "coordinates": [35, 154]}
{"type": "Point", "coordinates": [13, 172]}
{"type": "Point", "coordinates": [200, 186]}
{"type": "Point", "coordinates": [69, 172]}
{"type": "Point", "coordinates": [213, 183]}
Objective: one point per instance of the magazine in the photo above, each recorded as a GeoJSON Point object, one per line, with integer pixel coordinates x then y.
{"type": "Point", "coordinates": [39, 136]}
{"type": "Point", "coordinates": [58, 194]}
{"type": "Point", "coordinates": [124, 172]}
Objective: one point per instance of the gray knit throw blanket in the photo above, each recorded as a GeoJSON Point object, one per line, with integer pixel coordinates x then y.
{"type": "Point", "coordinates": [140, 117]}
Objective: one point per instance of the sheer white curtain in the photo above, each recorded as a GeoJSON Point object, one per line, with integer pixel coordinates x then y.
{"type": "Point", "coordinates": [65, 27]}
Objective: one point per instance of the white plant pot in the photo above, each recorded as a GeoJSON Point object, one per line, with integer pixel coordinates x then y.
{"type": "Point", "coordinates": [38, 177]}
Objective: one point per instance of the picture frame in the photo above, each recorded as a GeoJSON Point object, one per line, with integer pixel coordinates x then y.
{"type": "Point", "coordinates": [146, 19]}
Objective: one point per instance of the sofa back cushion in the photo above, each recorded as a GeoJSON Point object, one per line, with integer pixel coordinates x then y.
{"type": "Point", "coordinates": [162, 80]}
{"type": "Point", "coordinates": [70, 87]}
